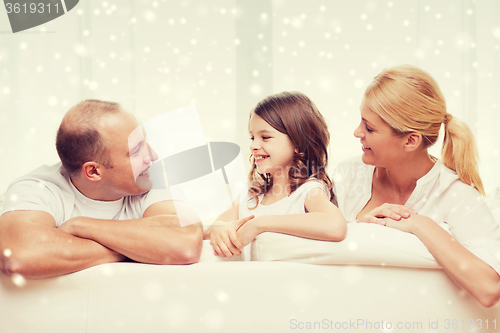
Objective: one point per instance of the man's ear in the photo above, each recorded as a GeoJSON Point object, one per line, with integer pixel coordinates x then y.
{"type": "Point", "coordinates": [92, 171]}
{"type": "Point", "coordinates": [413, 141]}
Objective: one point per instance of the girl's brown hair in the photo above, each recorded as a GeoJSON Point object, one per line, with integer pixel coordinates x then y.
{"type": "Point", "coordinates": [409, 100]}
{"type": "Point", "coordinates": [294, 114]}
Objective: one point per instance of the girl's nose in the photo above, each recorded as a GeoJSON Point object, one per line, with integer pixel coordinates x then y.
{"type": "Point", "coordinates": [254, 145]}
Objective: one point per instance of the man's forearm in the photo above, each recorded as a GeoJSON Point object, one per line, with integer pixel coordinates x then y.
{"type": "Point", "coordinates": [156, 239]}
{"type": "Point", "coordinates": [39, 251]}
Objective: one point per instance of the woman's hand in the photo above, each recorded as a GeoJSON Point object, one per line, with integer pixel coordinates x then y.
{"type": "Point", "coordinates": [408, 224]}
{"type": "Point", "coordinates": [224, 239]}
{"type": "Point", "coordinates": [387, 213]}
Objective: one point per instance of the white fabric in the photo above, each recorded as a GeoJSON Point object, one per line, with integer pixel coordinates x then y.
{"type": "Point", "coordinates": [292, 204]}
{"type": "Point", "coordinates": [440, 195]}
{"type": "Point", "coordinates": [49, 189]}
{"type": "Point", "coordinates": [365, 244]}
{"type": "Point", "coordinates": [243, 297]}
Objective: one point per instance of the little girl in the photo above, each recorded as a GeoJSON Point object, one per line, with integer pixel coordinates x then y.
{"type": "Point", "coordinates": [289, 140]}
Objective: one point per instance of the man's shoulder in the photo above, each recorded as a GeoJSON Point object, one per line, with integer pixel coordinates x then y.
{"type": "Point", "coordinates": [44, 189]}
{"type": "Point", "coordinates": [147, 199]}
{"type": "Point", "coordinates": [50, 174]}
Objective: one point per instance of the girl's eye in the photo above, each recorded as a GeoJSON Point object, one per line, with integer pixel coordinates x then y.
{"type": "Point", "coordinates": [251, 138]}
{"type": "Point", "coordinates": [266, 137]}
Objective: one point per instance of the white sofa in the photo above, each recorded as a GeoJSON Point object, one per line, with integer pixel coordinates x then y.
{"type": "Point", "coordinates": [377, 280]}
{"type": "Point", "coordinates": [257, 296]}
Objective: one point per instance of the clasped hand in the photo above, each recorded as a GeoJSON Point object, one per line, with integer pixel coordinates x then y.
{"type": "Point", "coordinates": [229, 238]}
{"type": "Point", "coordinates": [392, 215]}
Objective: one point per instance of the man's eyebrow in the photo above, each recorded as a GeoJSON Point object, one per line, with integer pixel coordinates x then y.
{"type": "Point", "coordinates": [136, 146]}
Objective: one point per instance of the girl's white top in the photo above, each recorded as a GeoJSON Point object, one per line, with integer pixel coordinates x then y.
{"type": "Point", "coordinates": [291, 204]}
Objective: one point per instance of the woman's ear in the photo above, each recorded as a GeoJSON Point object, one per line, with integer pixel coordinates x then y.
{"type": "Point", "coordinates": [296, 150]}
{"type": "Point", "coordinates": [413, 141]}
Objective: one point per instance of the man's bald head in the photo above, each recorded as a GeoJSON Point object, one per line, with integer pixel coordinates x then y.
{"type": "Point", "coordinates": [78, 139]}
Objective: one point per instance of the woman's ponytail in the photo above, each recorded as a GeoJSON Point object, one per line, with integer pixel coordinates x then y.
{"type": "Point", "coordinates": [459, 152]}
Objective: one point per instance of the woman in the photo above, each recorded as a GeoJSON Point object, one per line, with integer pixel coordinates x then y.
{"type": "Point", "coordinates": [399, 185]}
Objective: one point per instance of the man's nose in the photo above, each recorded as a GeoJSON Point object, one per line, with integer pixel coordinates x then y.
{"type": "Point", "coordinates": [151, 156]}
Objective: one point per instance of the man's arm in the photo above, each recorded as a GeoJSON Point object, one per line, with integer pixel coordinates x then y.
{"type": "Point", "coordinates": [31, 245]}
{"type": "Point", "coordinates": [156, 238]}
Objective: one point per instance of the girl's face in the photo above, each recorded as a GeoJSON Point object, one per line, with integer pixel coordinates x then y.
{"type": "Point", "coordinates": [381, 147]}
{"type": "Point", "coordinates": [272, 150]}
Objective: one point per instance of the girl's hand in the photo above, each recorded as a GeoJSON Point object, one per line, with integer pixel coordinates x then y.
{"type": "Point", "coordinates": [387, 213]}
{"type": "Point", "coordinates": [247, 233]}
{"type": "Point", "coordinates": [223, 237]}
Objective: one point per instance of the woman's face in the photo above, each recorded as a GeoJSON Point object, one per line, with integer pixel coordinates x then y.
{"type": "Point", "coordinates": [381, 147]}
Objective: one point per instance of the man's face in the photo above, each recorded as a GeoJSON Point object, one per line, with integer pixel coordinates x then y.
{"type": "Point", "coordinates": [130, 156]}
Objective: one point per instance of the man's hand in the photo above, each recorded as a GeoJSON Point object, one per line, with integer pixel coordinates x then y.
{"type": "Point", "coordinates": [71, 226]}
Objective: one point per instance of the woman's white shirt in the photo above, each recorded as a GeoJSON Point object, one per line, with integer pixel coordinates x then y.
{"type": "Point", "coordinates": [440, 195]}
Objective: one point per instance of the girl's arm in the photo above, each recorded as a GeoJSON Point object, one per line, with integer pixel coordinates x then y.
{"type": "Point", "coordinates": [222, 233]}
{"type": "Point", "coordinates": [472, 274]}
{"type": "Point", "coordinates": [324, 221]}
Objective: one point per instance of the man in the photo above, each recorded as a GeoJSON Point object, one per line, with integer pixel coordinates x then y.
{"type": "Point", "coordinates": [94, 207]}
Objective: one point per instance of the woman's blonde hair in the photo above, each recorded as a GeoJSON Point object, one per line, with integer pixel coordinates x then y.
{"type": "Point", "coordinates": [409, 100]}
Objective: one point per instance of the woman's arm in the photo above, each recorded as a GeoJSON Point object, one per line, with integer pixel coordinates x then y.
{"type": "Point", "coordinates": [324, 221]}
{"type": "Point", "coordinates": [469, 272]}
{"type": "Point", "coordinates": [472, 274]}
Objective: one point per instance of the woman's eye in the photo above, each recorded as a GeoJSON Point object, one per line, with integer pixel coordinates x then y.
{"type": "Point", "coordinates": [368, 129]}
{"type": "Point", "coordinates": [266, 137]}
{"type": "Point", "coordinates": [251, 138]}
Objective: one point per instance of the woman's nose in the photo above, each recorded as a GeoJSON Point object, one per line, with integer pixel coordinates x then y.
{"type": "Point", "coordinates": [358, 132]}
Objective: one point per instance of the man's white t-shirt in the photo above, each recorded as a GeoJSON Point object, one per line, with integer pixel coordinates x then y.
{"type": "Point", "coordinates": [440, 195]}
{"type": "Point", "coordinates": [49, 189]}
